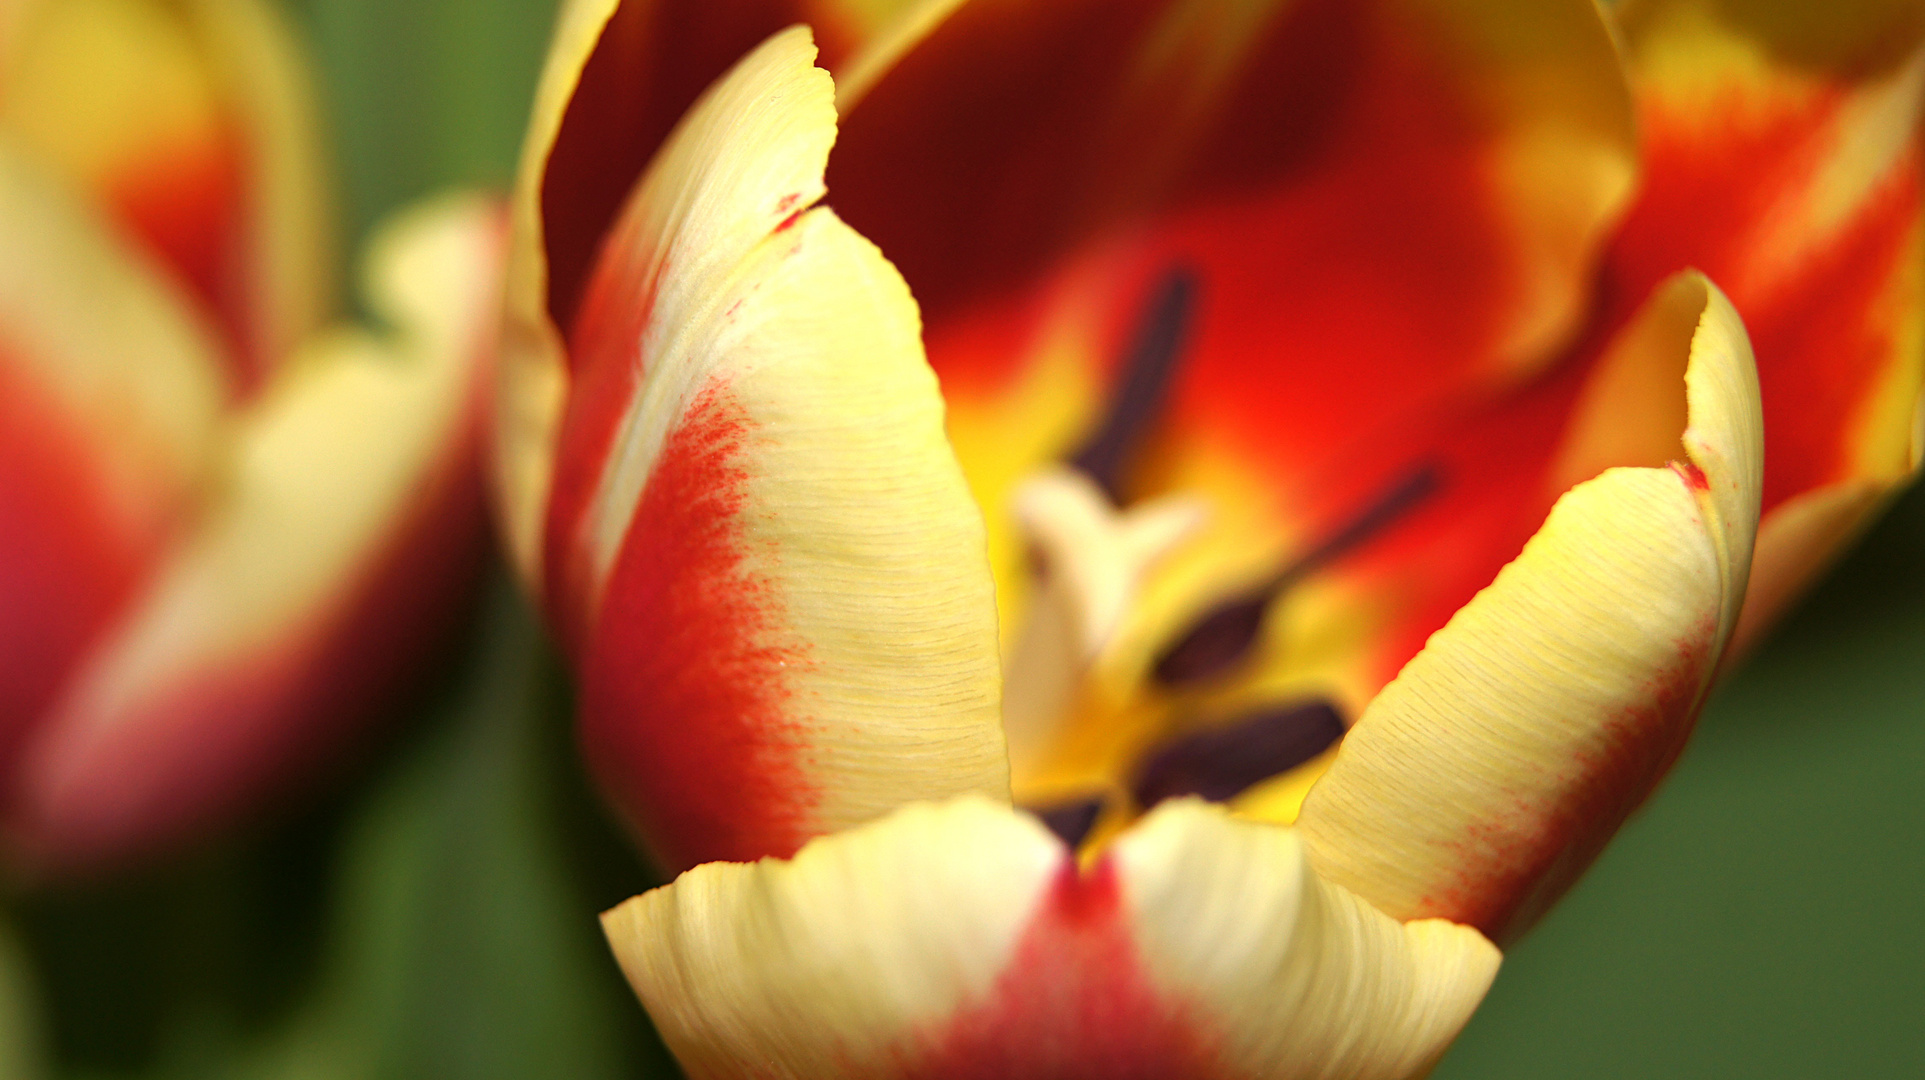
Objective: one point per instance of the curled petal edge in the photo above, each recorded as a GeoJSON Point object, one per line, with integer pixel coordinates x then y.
{"type": "Point", "coordinates": [1483, 780]}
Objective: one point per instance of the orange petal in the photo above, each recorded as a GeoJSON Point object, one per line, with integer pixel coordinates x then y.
{"type": "Point", "coordinates": [1783, 157]}
{"type": "Point", "coordinates": [1488, 774]}
{"type": "Point", "coordinates": [334, 551]}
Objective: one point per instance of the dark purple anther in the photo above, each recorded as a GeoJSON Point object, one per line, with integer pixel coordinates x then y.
{"type": "Point", "coordinates": [1145, 382]}
{"type": "Point", "coordinates": [1070, 821]}
{"type": "Point", "coordinates": [1219, 763]}
{"type": "Point", "coordinates": [1225, 633]}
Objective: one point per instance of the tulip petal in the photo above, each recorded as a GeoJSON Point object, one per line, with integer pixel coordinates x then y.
{"type": "Point", "coordinates": [620, 74]}
{"type": "Point", "coordinates": [960, 940]}
{"type": "Point", "coordinates": [282, 279]}
{"type": "Point", "coordinates": [1784, 158]}
{"type": "Point", "coordinates": [110, 398]}
{"type": "Point", "coordinates": [334, 550]}
{"type": "Point", "coordinates": [193, 123]}
{"type": "Point", "coordinates": [1482, 781]}
{"type": "Point", "coordinates": [760, 543]}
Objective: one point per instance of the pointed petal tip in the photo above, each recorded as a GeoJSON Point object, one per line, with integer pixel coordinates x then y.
{"type": "Point", "coordinates": [1484, 779]}
{"type": "Point", "coordinates": [331, 560]}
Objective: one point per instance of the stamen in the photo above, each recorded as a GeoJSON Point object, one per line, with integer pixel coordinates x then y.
{"type": "Point", "coordinates": [1222, 762]}
{"type": "Point", "coordinates": [1095, 558]}
{"type": "Point", "coordinates": [1145, 383]}
{"type": "Point", "coordinates": [1226, 633]}
{"type": "Point", "coordinates": [1070, 821]}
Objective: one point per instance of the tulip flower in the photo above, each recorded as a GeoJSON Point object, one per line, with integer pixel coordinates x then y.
{"type": "Point", "coordinates": [227, 531]}
{"type": "Point", "coordinates": [1354, 426]}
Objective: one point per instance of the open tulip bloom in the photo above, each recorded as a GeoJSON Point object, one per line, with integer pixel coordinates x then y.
{"type": "Point", "coordinates": [1345, 482]}
{"type": "Point", "coordinates": [224, 530]}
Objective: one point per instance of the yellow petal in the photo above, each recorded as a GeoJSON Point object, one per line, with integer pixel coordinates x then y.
{"type": "Point", "coordinates": [347, 511]}
{"type": "Point", "coordinates": [959, 939]}
{"type": "Point", "coordinates": [1481, 782]}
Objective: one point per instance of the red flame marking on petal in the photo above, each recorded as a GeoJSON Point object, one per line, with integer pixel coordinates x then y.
{"type": "Point", "coordinates": [686, 709]}
{"type": "Point", "coordinates": [1073, 1003]}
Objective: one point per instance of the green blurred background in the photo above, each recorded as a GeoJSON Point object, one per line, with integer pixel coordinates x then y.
{"type": "Point", "coordinates": [431, 917]}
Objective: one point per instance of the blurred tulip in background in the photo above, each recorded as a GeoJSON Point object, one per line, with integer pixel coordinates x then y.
{"type": "Point", "coordinates": [230, 531]}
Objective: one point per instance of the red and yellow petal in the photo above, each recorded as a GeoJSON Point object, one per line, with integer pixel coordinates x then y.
{"type": "Point", "coordinates": [760, 546]}
{"type": "Point", "coordinates": [961, 940]}
{"type": "Point", "coordinates": [193, 125]}
{"type": "Point", "coordinates": [620, 75]}
{"type": "Point", "coordinates": [335, 548]}
{"type": "Point", "coordinates": [1482, 781]}
{"type": "Point", "coordinates": [111, 393]}
{"type": "Point", "coordinates": [1783, 157]}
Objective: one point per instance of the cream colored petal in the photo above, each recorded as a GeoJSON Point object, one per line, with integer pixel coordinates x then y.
{"type": "Point", "coordinates": [824, 965]}
{"type": "Point", "coordinates": [220, 677]}
{"type": "Point", "coordinates": [958, 939]}
{"type": "Point", "coordinates": [1300, 977]}
{"type": "Point", "coordinates": [1482, 781]}
{"type": "Point", "coordinates": [532, 381]}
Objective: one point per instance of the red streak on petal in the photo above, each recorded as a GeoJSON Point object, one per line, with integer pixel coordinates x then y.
{"type": "Point", "coordinates": [686, 710]}
{"type": "Point", "coordinates": [188, 208]}
{"type": "Point", "coordinates": [1073, 1003]}
{"type": "Point", "coordinates": [1514, 868]}
{"type": "Point", "coordinates": [68, 559]}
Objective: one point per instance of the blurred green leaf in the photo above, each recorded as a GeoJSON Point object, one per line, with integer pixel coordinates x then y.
{"type": "Point", "coordinates": [21, 1055]}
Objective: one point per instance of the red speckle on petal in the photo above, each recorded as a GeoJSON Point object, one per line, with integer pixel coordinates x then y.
{"type": "Point", "coordinates": [687, 717]}
{"type": "Point", "coordinates": [1692, 475]}
{"type": "Point", "coordinates": [1073, 1003]}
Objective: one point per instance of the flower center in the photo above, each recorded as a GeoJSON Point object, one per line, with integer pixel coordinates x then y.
{"type": "Point", "coordinates": [1099, 734]}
